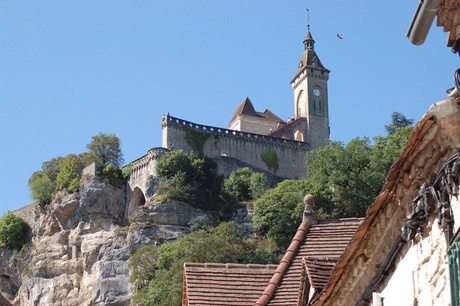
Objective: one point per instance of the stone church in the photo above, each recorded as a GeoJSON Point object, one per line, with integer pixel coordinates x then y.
{"type": "Point", "coordinates": [310, 122]}
{"type": "Point", "coordinates": [262, 140]}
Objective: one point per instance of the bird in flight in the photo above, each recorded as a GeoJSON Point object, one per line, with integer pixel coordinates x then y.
{"type": "Point", "coordinates": [339, 36]}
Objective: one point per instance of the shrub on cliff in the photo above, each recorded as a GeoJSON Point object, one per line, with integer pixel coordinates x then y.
{"type": "Point", "coordinates": [243, 184]}
{"type": "Point", "coordinates": [190, 178]}
{"type": "Point", "coordinates": [69, 173]}
{"type": "Point", "coordinates": [14, 231]}
{"type": "Point", "coordinates": [64, 172]}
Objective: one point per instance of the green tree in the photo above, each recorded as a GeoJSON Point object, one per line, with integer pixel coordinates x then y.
{"type": "Point", "coordinates": [105, 149]}
{"type": "Point", "coordinates": [385, 151]}
{"type": "Point", "coordinates": [278, 213]}
{"type": "Point", "coordinates": [14, 231]}
{"type": "Point", "coordinates": [162, 284]}
{"type": "Point", "coordinates": [243, 184]}
{"type": "Point", "coordinates": [42, 188]}
{"type": "Point", "coordinates": [398, 120]}
{"type": "Point", "coordinates": [190, 178]}
{"type": "Point", "coordinates": [341, 178]}
{"type": "Point", "coordinates": [69, 173]}
{"type": "Point", "coordinates": [344, 179]}
{"type": "Point", "coordinates": [52, 167]}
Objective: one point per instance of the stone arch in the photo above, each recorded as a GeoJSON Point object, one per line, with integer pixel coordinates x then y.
{"type": "Point", "coordinates": [137, 199]}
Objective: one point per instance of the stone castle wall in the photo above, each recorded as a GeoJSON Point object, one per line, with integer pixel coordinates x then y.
{"type": "Point", "coordinates": [143, 171]}
{"type": "Point", "coordinates": [244, 146]}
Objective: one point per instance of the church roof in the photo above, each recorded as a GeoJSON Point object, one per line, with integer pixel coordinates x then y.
{"type": "Point", "coordinates": [224, 284]}
{"type": "Point", "coordinates": [309, 56]}
{"type": "Point", "coordinates": [246, 108]}
{"type": "Point", "coordinates": [279, 132]}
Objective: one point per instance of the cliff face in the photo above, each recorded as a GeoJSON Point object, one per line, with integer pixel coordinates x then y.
{"type": "Point", "coordinates": [81, 245]}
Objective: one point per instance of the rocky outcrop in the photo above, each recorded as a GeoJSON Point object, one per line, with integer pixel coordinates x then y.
{"type": "Point", "coordinates": [81, 246]}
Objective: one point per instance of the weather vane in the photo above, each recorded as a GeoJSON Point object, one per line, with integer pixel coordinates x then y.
{"type": "Point", "coordinates": [308, 19]}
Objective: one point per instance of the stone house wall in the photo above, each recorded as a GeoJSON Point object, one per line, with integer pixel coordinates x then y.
{"type": "Point", "coordinates": [400, 249]}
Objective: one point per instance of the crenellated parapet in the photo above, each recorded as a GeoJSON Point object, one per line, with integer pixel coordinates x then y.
{"type": "Point", "coordinates": [170, 121]}
{"type": "Point", "coordinates": [143, 172]}
{"type": "Point", "coordinates": [141, 163]}
{"type": "Point", "coordinates": [283, 157]}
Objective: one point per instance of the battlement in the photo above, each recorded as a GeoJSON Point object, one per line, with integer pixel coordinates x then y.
{"type": "Point", "coordinates": [171, 121]}
{"type": "Point", "coordinates": [286, 156]}
{"type": "Point", "coordinates": [143, 161]}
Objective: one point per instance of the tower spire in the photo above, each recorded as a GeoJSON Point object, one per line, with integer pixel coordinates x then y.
{"type": "Point", "coordinates": [309, 43]}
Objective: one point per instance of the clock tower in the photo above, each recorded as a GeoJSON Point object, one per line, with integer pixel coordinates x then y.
{"type": "Point", "coordinates": [310, 95]}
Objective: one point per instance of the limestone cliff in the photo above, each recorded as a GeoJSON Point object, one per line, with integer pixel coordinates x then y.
{"type": "Point", "coordinates": [81, 245]}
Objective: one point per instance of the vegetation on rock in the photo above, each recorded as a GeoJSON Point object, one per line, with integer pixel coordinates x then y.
{"type": "Point", "coordinates": [105, 150]}
{"type": "Point", "coordinates": [14, 231]}
{"type": "Point", "coordinates": [190, 178]}
{"type": "Point", "coordinates": [157, 273]}
{"type": "Point", "coordinates": [64, 172]}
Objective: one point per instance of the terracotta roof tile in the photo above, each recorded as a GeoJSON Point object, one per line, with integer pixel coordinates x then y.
{"type": "Point", "coordinates": [225, 284]}
{"type": "Point", "coordinates": [319, 270]}
{"type": "Point", "coordinates": [325, 242]}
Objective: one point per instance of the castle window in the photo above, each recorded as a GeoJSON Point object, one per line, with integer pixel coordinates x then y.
{"type": "Point", "coordinates": [298, 135]}
{"type": "Point", "coordinates": [320, 106]}
{"type": "Point", "coordinates": [314, 104]}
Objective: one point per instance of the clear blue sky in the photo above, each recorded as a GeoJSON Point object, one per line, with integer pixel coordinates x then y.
{"type": "Point", "coordinates": [72, 69]}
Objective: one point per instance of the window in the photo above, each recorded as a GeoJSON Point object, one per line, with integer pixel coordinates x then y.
{"type": "Point", "coordinates": [454, 256]}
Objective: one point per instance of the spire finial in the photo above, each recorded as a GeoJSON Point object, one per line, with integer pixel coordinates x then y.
{"type": "Point", "coordinates": [308, 19]}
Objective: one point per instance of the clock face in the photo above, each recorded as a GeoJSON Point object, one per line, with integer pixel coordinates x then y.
{"type": "Point", "coordinates": [316, 92]}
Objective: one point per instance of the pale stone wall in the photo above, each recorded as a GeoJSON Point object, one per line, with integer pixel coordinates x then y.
{"type": "Point", "coordinates": [247, 147]}
{"type": "Point", "coordinates": [143, 174]}
{"type": "Point", "coordinates": [422, 275]}
{"type": "Point", "coordinates": [255, 125]}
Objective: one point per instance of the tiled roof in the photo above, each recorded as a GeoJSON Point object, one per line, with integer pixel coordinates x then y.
{"type": "Point", "coordinates": [319, 270]}
{"type": "Point", "coordinates": [246, 108]}
{"type": "Point", "coordinates": [279, 132]}
{"type": "Point", "coordinates": [224, 284]}
{"type": "Point", "coordinates": [322, 244]}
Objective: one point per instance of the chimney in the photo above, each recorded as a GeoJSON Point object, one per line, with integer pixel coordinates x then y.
{"type": "Point", "coordinates": [309, 210]}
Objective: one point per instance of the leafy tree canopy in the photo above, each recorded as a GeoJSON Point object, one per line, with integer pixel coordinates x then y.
{"type": "Point", "coordinates": [398, 120]}
{"type": "Point", "coordinates": [278, 213]}
{"type": "Point", "coordinates": [105, 150]}
{"type": "Point", "coordinates": [14, 231]}
{"type": "Point", "coordinates": [344, 179]}
{"type": "Point", "coordinates": [158, 274]}
{"type": "Point", "coordinates": [64, 172]}
{"type": "Point", "coordinates": [69, 173]}
{"type": "Point", "coordinates": [190, 178]}
{"type": "Point", "coordinates": [243, 184]}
